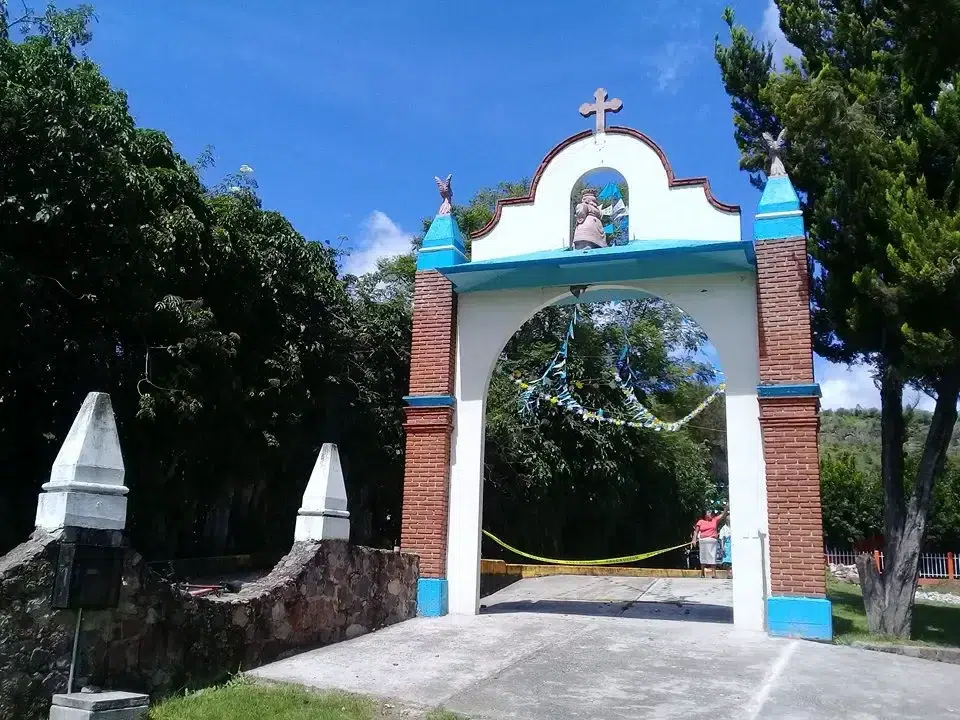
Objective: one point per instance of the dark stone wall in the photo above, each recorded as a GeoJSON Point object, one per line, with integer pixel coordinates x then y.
{"type": "Point", "coordinates": [160, 640]}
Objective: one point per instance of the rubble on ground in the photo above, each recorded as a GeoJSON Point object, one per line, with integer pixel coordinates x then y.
{"type": "Point", "coordinates": [845, 573]}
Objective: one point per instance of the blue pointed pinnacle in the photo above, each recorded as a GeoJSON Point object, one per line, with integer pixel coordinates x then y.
{"type": "Point", "coordinates": [443, 245]}
{"type": "Point", "coordinates": [778, 215]}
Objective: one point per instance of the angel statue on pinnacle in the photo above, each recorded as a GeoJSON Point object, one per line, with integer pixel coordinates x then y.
{"type": "Point", "coordinates": [446, 193]}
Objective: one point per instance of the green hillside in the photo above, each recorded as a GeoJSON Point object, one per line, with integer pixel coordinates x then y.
{"type": "Point", "coordinates": [858, 432]}
{"type": "Point", "coordinates": [850, 478]}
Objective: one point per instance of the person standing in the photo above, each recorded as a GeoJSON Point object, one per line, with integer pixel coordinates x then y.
{"type": "Point", "coordinates": [706, 534]}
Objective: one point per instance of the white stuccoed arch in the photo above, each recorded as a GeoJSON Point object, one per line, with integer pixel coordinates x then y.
{"type": "Point", "coordinates": [661, 207]}
{"type": "Point", "coordinates": [724, 305]}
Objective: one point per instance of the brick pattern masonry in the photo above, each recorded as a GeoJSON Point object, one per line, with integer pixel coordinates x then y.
{"type": "Point", "coordinates": [789, 425]}
{"type": "Point", "coordinates": [427, 469]}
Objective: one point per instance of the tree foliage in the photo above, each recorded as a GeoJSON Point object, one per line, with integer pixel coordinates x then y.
{"type": "Point", "coordinates": [229, 345]}
{"type": "Point", "coordinates": [567, 488]}
{"type": "Point", "coordinates": [852, 500]}
{"type": "Point", "coordinates": [871, 113]}
{"type": "Point", "coordinates": [850, 486]}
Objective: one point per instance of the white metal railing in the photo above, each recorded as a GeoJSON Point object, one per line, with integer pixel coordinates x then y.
{"type": "Point", "coordinates": [932, 565]}
{"type": "Point", "coordinates": [841, 557]}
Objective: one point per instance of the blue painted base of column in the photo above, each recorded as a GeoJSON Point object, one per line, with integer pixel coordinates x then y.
{"type": "Point", "coordinates": [800, 617]}
{"type": "Point", "coordinates": [431, 597]}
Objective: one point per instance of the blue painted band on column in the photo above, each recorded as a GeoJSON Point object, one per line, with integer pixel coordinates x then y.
{"type": "Point", "coordinates": [778, 228]}
{"type": "Point", "coordinates": [439, 257]}
{"type": "Point", "coordinates": [432, 597]}
{"type": "Point", "coordinates": [780, 391]}
{"type": "Point", "coordinates": [800, 617]}
{"type": "Point", "coordinates": [429, 400]}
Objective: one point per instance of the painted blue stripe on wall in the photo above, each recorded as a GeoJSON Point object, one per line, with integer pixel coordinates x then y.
{"type": "Point", "coordinates": [635, 250]}
{"type": "Point", "coordinates": [808, 390]}
{"type": "Point", "coordinates": [789, 226]}
{"type": "Point", "coordinates": [437, 258]}
{"type": "Point", "coordinates": [640, 259]}
{"type": "Point", "coordinates": [432, 599]}
{"type": "Point", "coordinates": [429, 400]}
{"type": "Point", "coordinates": [800, 617]}
{"type": "Point", "coordinates": [770, 206]}
{"type": "Point", "coordinates": [444, 241]}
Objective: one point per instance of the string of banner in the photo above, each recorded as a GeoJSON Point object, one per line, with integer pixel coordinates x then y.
{"type": "Point", "coordinates": [553, 388]}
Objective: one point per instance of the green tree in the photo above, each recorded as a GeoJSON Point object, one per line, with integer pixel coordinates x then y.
{"type": "Point", "coordinates": [851, 499]}
{"type": "Point", "coordinates": [873, 125]}
{"type": "Point", "coordinates": [87, 199]}
{"type": "Point", "coordinates": [228, 344]}
{"type": "Point", "coordinates": [943, 530]}
{"type": "Point", "coordinates": [567, 488]}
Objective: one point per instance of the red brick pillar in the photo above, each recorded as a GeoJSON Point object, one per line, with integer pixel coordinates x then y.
{"type": "Point", "coordinates": [429, 423]}
{"type": "Point", "coordinates": [789, 419]}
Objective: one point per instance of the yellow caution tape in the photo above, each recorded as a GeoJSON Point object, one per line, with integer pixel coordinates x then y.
{"type": "Point", "coordinates": [608, 561]}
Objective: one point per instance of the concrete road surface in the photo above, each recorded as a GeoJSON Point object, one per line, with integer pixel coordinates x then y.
{"type": "Point", "coordinates": [610, 648]}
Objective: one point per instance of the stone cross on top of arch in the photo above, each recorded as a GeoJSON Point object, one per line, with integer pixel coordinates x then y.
{"type": "Point", "coordinates": [600, 107]}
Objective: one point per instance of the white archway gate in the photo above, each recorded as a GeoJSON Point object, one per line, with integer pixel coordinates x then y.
{"type": "Point", "coordinates": [749, 296]}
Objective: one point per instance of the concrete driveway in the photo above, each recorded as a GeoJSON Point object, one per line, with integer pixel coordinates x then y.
{"type": "Point", "coordinates": [562, 647]}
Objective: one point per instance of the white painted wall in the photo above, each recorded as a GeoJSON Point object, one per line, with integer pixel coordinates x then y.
{"type": "Point", "coordinates": [657, 212]}
{"type": "Point", "coordinates": [725, 307]}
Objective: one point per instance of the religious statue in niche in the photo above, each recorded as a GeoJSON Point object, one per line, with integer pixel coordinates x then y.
{"type": "Point", "coordinates": [588, 232]}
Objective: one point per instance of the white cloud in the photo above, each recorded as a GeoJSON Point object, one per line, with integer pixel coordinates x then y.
{"type": "Point", "coordinates": [671, 64]}
{"type": "Point", "coordinates": [849, 387]}
{"type": "Point", "coordinates": [380, 237]}
{"type": "Point", "coordinates": [770, 32]}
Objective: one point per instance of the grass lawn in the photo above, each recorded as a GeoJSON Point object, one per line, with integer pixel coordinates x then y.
{"type": "Point", "coordinates": [932, 624]}
{"type": "Point", "coordinates": [246, 700]}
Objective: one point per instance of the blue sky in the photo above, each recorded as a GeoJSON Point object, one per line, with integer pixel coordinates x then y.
{"type": "Point", "coordinates": [346, 110]}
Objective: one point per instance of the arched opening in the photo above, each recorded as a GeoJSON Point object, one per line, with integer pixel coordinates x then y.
{"type": "Point", "coordinates": [611, 449]}
{"type": "Point", "coordinates": [599, 210]}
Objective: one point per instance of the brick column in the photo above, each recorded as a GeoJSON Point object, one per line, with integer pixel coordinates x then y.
{"type": "Point", "coordinates": [429, 411]}
{"type": "Point", "coordinates": [789, 419]}
{"type": "Point", "coordinates": [789, 423]}
{"type": "Point", "coordinates": [429, 422]}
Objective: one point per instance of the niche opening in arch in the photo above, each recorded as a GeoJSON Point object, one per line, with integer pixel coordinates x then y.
{"type": "Point", "coordinates": [599, 210]}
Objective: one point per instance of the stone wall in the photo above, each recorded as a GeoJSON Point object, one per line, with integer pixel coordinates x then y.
{"type": "Point", "coordinates": [160, 640]}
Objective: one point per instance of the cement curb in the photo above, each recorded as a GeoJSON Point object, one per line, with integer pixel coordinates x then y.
{"type": "Point", "coordinates": [923, 652]}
